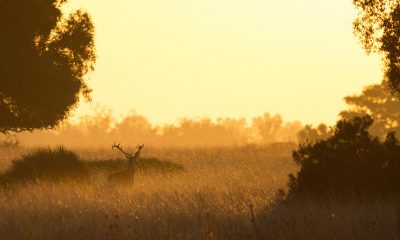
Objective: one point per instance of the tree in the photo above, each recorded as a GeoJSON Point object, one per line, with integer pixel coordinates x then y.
{"type": "Point", "coordinates": [376, 101]}
{"type": "Point", "coordinates": [267, 126]}
{"type": "Point", "coordinates": [44, 59]}
{"type": "Point", "coordinates": [310, 134]}
{"type": "Point", "coordinates": [378, 28]}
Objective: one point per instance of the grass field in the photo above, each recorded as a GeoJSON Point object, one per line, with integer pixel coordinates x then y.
{"type": "Point", "coordinates": [222, 193]}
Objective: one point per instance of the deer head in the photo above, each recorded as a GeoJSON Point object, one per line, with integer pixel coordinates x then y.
{"type": "Point", "coordinates": [127, 175]}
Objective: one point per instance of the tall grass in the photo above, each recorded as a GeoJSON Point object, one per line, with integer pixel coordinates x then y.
{"type": "Point", "coordinates": [224, 193]}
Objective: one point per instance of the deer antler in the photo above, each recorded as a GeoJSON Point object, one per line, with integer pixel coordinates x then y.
{"type": "Point", "coordinates": [118, 146]}
{"type": "Point", "coordinates": [140, 146]}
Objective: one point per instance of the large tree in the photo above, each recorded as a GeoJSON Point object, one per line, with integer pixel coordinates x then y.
{"type": "Point", "coordinates": [378, 28]}
{"type": "Point", "coordinates": [44, 58]}
{"type": "Point", "coordinates": [376, 101]}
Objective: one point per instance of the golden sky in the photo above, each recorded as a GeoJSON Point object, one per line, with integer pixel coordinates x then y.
{"type": "Point", "coordinates": [169, 59]}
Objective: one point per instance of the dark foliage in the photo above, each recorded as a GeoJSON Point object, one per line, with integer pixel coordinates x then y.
{"type": "Point", "coordinates": [44, 58]}
{"type": "Point", "coordinates": [351, 160]}
{"type": "Point", "coordinates": [378, 28]}
{"type": "Point", "coordinates": [46, 164]}
{"type": "Point", "coordinates": [143, 165]}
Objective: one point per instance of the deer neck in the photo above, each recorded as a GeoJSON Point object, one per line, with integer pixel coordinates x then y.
{"type": "Point", "coordinates": [136, 156]}
{"type": "Point", "coordinates": [134, 159]}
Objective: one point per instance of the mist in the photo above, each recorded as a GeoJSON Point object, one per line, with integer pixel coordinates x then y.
{"type": "Point", "coordinates": [102, 129]}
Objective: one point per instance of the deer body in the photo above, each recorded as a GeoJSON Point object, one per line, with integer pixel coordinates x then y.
{"type": "Point", "coordinates": [127, 176]}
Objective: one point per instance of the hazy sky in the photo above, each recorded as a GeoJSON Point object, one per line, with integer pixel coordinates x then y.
{"type": "Point", "coordinates": [169, 59]}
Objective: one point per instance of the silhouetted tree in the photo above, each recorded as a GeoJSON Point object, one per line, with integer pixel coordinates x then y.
{"type": "Point", "coordinates": [267, 126]}
{"type": "Point", "coordinates": [376, 101]}
{"type": "Point", "coordinates": [310, 134]}
{"type": "Point", "coordinates": [44, 59]}
{"type": "Point", "coordinates": [351, 160]}
{"type": "Point", "coordinates": [378, 28]}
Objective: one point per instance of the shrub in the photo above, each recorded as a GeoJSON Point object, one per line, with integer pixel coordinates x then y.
{"type": "Point", "coordinates": [349, 160]}
{"type": "Point", "coordinates": [46, 164]}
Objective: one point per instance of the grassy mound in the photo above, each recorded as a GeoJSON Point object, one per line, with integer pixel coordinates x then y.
{"type": "Point", "coordinates": [59, 164]}
{"type": "Point", "coordinates": [143, 165]}
{"type": "Point", "coordinates": [46, 164]}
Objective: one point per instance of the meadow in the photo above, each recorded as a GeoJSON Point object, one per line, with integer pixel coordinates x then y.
{"type": "Point", "coordinates": [221, 193]}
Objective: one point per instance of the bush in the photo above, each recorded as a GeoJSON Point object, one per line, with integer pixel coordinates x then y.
{"type": "Point", "coordinates": [350, 160]}
{"type": "Point", "coordinates": [46, 164]}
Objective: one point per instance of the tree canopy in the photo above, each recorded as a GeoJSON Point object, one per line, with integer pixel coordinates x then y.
{"type": "Point", "coordinates": [310, 134]}
{"type": "Point", "coordinates": [376, 101]}
{"type": "Point", "coordinates": [378, 28]}
{"type": "Point", "coordinates": [44, 59]}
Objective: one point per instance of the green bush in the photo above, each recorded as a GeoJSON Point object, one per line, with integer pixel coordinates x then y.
{"type": "Point", "coordinates": [46, 164]}
{"type": "Point", "coordinates": [350, 160]}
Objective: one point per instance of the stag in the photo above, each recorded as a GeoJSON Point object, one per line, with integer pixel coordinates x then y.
{"type": "Point", "coordinates": [128, 175]}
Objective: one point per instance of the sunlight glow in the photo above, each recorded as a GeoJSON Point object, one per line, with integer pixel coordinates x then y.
{"type": "Point", "coordinates": [240, 58]}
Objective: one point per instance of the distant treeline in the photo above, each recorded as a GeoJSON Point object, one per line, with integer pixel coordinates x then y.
{"type": "Point", "coordinates": [102, 129]}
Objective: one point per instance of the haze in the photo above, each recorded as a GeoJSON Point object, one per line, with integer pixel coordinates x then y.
{"type": "Point", "coordinates": [220, 58]}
